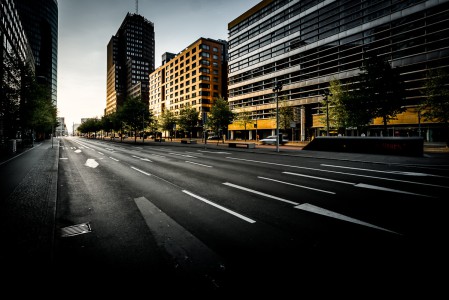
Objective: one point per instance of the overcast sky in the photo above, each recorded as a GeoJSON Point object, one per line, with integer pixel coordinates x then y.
{"type": "Point", "coordinates": [86, 26]}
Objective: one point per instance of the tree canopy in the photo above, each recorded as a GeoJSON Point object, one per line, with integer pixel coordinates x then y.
{"type": "Point", "coordinates": [377, 91]}
{"type": "Point", "coordinates": [435, 106]}
{"type": "Point", "coordinates": [188, 119]}
{"type": "Point", "coordinates": [220, 116]}
{"type": "Point", "coordinates": [135, 114]}
{"type": "Point", "coordinates": [244, 118]}
{"type": "Point", "coordinates": [167, 121]}
{"type": "Point", "coordinates": [380, 90]}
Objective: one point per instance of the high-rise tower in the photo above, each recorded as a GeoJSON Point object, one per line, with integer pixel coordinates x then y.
{"type": "Point", "coordinates": [39, 19]}
{"type": "Point", "coordinates": [130, 60]}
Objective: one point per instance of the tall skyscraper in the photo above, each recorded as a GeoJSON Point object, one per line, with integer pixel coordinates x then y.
{"type": "Point", "coordinates": [130, 60]}
{"type": "Point", "coordinates": [39, 19]}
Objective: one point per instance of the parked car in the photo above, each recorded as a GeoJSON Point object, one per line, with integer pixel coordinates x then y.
{"type": "Point", "coordinates": [271, 140]}
{"type": "Point", "coordinates": [213, 137]}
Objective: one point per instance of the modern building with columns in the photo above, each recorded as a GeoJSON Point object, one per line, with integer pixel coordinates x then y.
{"type": "Point", "coordinates": [306, 43]}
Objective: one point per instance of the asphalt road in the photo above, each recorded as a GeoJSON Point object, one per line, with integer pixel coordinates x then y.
{"type": "Point", "coordinates": [218, 221]}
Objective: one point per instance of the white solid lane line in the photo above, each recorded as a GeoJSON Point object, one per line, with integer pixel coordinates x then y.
{"type": "Point", "coordinates": [220, 207]}
{"type": "Point", "coordinates": [360, 185]}
{"type": "Point", "coordinates": [335, 172]}
{"type": "Point", "coordinates": [194, 163]}
{"type": "Point", "coordinates": [141, 158]}
{"type": "Point", "coordinates": [297, 185]}
{"type": "Point", "coordinates": [328, 213]}
{"type": "Point", "coordinates": [143, 172]}
{"type": "Point", "coordinates": [178, 154]}
{"type": "Point", "coordinates": [385, 172]}
{"type": "Point", "coordinates": [215, 152]}
{"type": "Point", "coordinates": [259, 193]}
{"type": "Point", "coordinates": [320, 178]}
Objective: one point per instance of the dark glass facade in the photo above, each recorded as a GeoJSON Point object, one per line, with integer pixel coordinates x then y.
{"type": "Point", "coordinates": [306, 44]}
{"type": "Point", "coordinates": [40, 22]}
{"type": "Point", "coordinates": [130, 60]}
{"type": "Point", "coordinates": [15, 52]}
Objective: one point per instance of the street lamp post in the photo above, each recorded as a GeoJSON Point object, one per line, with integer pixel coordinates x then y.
{"type": "Point", "coordinates": [325, 97]}
{"type": "Point", "coordinates": [256, 122]}
{"type": "Point", "coordinates": [277, 88]}
{"type": "Point", "coordinates": [143, 126]}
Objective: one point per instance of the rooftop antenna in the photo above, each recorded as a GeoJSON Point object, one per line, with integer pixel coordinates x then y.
{"type": "Point", "coordinates": [137, 7]}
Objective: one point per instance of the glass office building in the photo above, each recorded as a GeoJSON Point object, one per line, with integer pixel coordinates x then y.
{"type": "Point", "coordinates": [306, 43]}
{"type": "Point", "coordinates": [40, 22]}
{"type": "Point", "coordinates": [15, 52]}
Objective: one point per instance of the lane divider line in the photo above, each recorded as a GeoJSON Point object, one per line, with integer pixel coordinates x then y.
{"type": "Point", "coordinates": [361, 185]}
{"type": "Point", "coordinates": [297, 185]}
{"type": "Point", "coordinates": [259, 193]}
{"type": "Point", "coordinates": [220, 207]}
{"type": "Point", "coordinates": [194, 163]}
{"type": "Point", "coordinates": [139, 170]}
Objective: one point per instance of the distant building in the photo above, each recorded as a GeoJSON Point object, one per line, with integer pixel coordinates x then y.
{"type": "Point", "coordinates": [130, 60]}
{"type": "Point", "coordinates": [305, 44]}
{"type": "Point", "coordinates": [167, 56]}
{"type": "Point", "coordinates": [194, 77]}
{"type": "Point", "coordinates": [61, 129]}
{"type": "Point", "coordinates": [75, 129]}
{"type": "Point", "coordinates": [40, 22]}
{"type": "Point", "coordinates": [15, 52]}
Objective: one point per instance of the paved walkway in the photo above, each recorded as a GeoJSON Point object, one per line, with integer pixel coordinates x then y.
{"type": "Point", "coordinates": [28, 191]}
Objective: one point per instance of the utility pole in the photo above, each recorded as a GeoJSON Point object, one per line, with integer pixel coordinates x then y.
{"type": "Point", "coordinates": [326, 99]}
{"type": "Point", "coordinates": [277, 88]}
{"type": "Point", "coordinates": [137, 7]}
{"type": "Point", "coordinates": [256, 124]}
{"type": "Point", "coordinates": [143, 125]}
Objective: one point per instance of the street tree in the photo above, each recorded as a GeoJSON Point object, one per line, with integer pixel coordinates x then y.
{"type": "Point", "coordinates": [188, 119]}
{"type": "Point", "coordinates": [244, 118]}
{"type": "Point", "coordinates": [286, 114]}
{"type": "Point", "coordinates": [220, 116]}
{"type": "Point", "coordinates": [338, 113]}
{"type": "Point", "coordinates": [135, 114]}
{"type": "Point", "coordinates": [380, 89]}
{"type": "Point", "coordinates": [110, 123]}
{"type": "Point", "coordinates": [10, 90]}
{"type": "Point", "coordinates": [168, 121]}
{"type": "Point", "coordinates": [435, 106]}
{"type": "Point", "coordinates": [91, 125]}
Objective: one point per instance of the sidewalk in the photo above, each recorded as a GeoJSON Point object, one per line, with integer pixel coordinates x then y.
{"type": "Point", "coordinates": [27, 210]}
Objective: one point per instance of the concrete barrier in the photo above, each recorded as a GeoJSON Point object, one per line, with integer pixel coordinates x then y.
{"type": "Point", "coordinates": [406, 146]}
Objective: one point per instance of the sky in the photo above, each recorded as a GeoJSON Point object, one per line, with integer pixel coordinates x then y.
{"type": "Point", "coordinates": [86, 26]}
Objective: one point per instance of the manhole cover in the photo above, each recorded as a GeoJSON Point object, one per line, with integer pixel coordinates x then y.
{"type": "Point", "coordinates": [75, 230]}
